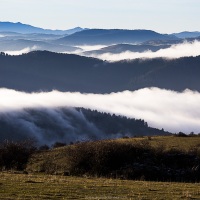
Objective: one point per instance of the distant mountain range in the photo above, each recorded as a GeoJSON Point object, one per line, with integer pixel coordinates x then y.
{"type": "Point", "coordinates": [42, 70]}
{"type": "Point", "coordinates": [24, 28]}
{"type": "Point", "coordinates": [113, 36]}
{"type": "Point", "coordinates": [187, 34]}
{"type": "Point", "coordinates": [118, 39]}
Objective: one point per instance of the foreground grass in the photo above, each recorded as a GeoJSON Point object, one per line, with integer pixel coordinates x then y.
{"type": "Point", "coordinates": [19, 186]}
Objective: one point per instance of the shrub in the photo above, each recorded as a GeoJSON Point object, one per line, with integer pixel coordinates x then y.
{"type": "Point", "coordinates": [102, 158]}
{"type": "Point", "coordinates": [44, 148]}
{"type": "Point", "coordinates": [180, 134]}
{"type": "Point", "coordinates": [15, 155]}
{"type": "Point", "coordinates": [58, 144]}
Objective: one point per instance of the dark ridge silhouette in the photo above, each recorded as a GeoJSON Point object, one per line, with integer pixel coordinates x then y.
{"type": "Point", "coordinates": [113, 36]}
{"type": "Point", "coordinates": [45, 71]}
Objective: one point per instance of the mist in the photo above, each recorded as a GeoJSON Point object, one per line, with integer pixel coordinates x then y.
{"type": "Point", "coordinates": [91, 47]}
{"type": "Point", "coordinates": [185, 49]}
{"type": "Point", "coordinates": [161, 108]}
{"type": "Point", "coordinates": [22, 51]}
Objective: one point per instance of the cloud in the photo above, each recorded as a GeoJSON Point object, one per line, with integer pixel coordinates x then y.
{"type": "Point", "coordinates": [91, 47]}
{"type": "Point", "coordinates": [84, 48]}
{"type": "Point", "coordinates": [22, 51]}
{"type": "Point", "coordinates": [166, 109]}
{"type": "Point", "coordinates": [175, 51]}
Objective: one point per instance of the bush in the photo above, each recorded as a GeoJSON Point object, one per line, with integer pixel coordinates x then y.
{"type": "Point", "coordinates": [44, 148]}
{"type": "Point", "coordinates": [103, 158]}
{"type": "Point", "coordinates": [15, 155]}
{"type": "Point", "coordinates": [58, 144]}
{"type": "Point", "coordinates": [136, 160]}
{"type": "Point", "coordinates": [132, 161]}
{"type": "Point", "coordinates": [180, 134]}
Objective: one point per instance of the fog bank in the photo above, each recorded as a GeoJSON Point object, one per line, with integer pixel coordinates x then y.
{"type": "Point", "coordinates": [185, 49]}
{"type": "Point", "coordinates": [166, 109]}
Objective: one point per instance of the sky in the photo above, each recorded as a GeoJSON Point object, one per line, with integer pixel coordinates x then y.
{"type": "Point", "coordinates": [164, 16]}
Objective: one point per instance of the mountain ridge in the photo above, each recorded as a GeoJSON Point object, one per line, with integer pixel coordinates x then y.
{"type": "Point", "coordinates": [112, 36]}
{"type": "Point", "coordinates": [26, 28]}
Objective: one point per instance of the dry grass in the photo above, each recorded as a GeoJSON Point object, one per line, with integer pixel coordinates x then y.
{"type": "Point", "coordinates": [168, 142]}
{"type": "Point", "coordinates": [19, 186]}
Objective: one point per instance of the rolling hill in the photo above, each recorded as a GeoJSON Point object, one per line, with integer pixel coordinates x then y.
{"type": "Point", "coordinates": [43, 70]}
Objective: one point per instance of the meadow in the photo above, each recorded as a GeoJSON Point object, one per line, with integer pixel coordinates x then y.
{"type": "Point", "coordinates": [39, 186]}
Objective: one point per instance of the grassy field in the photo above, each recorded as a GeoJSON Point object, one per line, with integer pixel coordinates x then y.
{"type": "Point", "coordinates": [168, 142]}
{"type": "Point", "coordinates": [20, 186]}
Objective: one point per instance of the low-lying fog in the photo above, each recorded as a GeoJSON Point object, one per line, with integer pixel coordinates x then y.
{"type": "Point", "coordinates": [185, 49]}
{"type": "Point", "coordinates": [161, 108]}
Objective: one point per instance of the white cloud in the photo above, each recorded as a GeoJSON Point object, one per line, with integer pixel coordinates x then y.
{"type": "Point", "coordinates": [175, 51]}
{"type": "Point", "coordinates": [91, 47]}
{"type": "Point", "coordinates": [166, 109]}
{"type": "Point", "coordinates": [20, 52]}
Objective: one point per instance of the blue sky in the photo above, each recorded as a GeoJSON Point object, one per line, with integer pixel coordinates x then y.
{"type": "Point", "coordinates": [164, 16]}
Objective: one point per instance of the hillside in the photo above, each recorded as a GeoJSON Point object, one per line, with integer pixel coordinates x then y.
{"type": "Point", "coordinates": [48, 126]}
{"type": "Point", "coordinates": [46, 71]}
{"type": "Point", "coordinates": [112, 36]}
{"type": "Point", "coordinates": [169, 158]}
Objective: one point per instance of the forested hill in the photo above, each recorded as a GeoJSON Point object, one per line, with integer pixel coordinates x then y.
{"type": "Point", "coordinates": [43, 70]}
{"type": "Point", "coordinates": [69, 125]}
